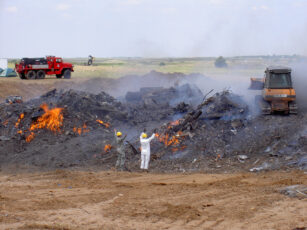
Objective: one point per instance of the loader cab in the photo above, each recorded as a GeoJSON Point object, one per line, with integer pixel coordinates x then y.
{"type": "Point", "coordinates": [278, 78]}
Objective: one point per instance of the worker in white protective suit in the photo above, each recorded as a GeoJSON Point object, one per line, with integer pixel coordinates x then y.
{"type": "Point", "coordinates": [145, 149]}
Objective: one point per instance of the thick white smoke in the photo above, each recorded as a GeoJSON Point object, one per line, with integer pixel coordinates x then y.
{"type": "Point", "coordinates": [299, 78]}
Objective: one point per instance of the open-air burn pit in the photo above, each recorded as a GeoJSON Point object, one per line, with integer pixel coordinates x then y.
{"type": "Point", "coordinates": [215, 161]}
{"type": "Point", "coordinates": [153, 114]}
{"type": "Point", "coordinates": [194, 132]}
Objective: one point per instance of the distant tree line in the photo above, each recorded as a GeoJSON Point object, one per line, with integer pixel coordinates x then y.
{"type": "Point", "coordinates": [220, 62]}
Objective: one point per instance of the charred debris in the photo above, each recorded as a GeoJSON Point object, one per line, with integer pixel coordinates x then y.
{"type": "Point", "coordinates": [193, 131]}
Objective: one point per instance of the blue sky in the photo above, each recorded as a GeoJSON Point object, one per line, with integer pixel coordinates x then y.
{"type": "Point", "coordinates": [152, 28]}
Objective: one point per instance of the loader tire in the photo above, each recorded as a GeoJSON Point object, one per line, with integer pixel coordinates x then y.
{"type": "Point", "coordinates": [67, 74]}
{"type": "Point", "coordinates": [40, 74]}
{"type": "Point", "coordinates": [31, 74]}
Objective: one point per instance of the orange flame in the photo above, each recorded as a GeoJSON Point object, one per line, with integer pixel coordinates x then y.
{"type": "Point", "coordinates": [81, 130]}
{"type": "Point", "coordinates": [85, 129]}
{"type": "Point", "coordinates": [19, 120]}
{"type": "Point", "coordinates": [30, 137]}
{"type": "Point", "coordinates": [107, 125]}
{"type": "Point", "coordinates": [20, 132]}
{"type": "Point", "coordinates": [107, 148]}
{"type": "Point", "coordinates": [167, 140]}
{"type": "Point", "coordinates": [52, 120]}
{"type": "Point", "coordinates": [5, 122]}
{"type": "Point", "coordinates": [175, 149]}
{"type": "Point", "coordinates": [174, 123]}
{"type": "Point", "coordinates": [179, 148]}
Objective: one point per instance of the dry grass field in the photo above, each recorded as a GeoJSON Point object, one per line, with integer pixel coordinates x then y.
{"type": "Point", "coordinates": [118, 67]}
{"type": "Point", "coordinates": [238, 68]}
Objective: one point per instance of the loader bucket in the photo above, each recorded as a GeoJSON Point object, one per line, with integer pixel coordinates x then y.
{"type": "Point", "coordinates": [256, 84]}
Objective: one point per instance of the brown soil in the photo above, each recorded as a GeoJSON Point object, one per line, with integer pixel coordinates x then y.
{"type": "Point", "coordinates": [29, 89]}
{"type": "Point", "coordinates": [113, 200]}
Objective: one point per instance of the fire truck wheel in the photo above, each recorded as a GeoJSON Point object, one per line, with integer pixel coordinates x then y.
{"type": "Point", "coordinates": [22, 75]}
{"type": "Point", "coordinates": [67, 74]}
{"type": "Point", "coordinates": [31, 75]}
{"type": "Point", "coordinates": [40, 74]}
{"type": "Point", "coordinates": [59, 76]}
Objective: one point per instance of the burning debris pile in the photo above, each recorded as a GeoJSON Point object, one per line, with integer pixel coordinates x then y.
{"type": "Point", "coordinates": [158, 103]}
{"type": "Point", "coordinates": [85, 106]}
{"type": "Point", "coordinates": [51, 119]}
{"type": "Point", "coordinates": [73, 128]}
{"type": "Point", "coordinates": [195, 133]}
{"type": "Point", "coordinates": [220, 128]}
{"type": "Point", "coordinates": [186, 93]}
{"type": "Point", "coordinates": [224, 106]}
{"type": "Point", "coordinates": [61, 113]}
{"type": "Point", "coordinates": [68, 127]}
{"type": "Point", "coordinates": [49, 131]}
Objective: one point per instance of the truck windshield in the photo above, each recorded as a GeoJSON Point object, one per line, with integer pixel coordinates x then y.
{"type": "Point", "coordinates": [280, 81]}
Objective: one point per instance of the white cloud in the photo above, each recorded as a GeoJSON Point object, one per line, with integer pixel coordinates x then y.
{"type": "Point", "coordinates": [11, 9]}
{"type": "Point", "coordinates": [63, 6]}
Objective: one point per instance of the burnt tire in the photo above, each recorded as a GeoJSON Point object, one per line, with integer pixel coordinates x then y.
{"type": "Point", "coordinates": [67, 74]}
{"type": "Point", "coordinates": [31, 75]}
{"type": "Point", "coordinates": [40, 74]}
{"type": "Point", "coordinates": [59, 76]}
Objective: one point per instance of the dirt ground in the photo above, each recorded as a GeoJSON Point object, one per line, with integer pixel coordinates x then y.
{"type": "Point", "coordinates": [34, 88]}
{"type": "Point", "coordinates": [120, 200]}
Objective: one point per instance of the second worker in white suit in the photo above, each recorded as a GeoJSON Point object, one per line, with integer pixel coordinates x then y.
{"type": "Point", "coordinates": [145, 150]}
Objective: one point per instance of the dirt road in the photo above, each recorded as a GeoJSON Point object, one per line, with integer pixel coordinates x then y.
{"type": "Point", "coordinates": [113, 200]}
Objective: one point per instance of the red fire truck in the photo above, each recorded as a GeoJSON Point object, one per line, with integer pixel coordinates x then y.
{"type": "Point", "coordinates": [38, 68]}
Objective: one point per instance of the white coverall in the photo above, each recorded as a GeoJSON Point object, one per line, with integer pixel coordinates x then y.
{"type": "Point", "coordinates": [145, 153]}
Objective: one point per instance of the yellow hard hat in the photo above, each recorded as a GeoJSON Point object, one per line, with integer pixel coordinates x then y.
{"type": "Point", "coordinates": [144, 135]}
{"type": "Point", "coordinates": [118, 134]}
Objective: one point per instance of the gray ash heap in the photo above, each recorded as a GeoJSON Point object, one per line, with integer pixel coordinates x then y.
{"type": "Point", "coordinates": [71, 128]}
